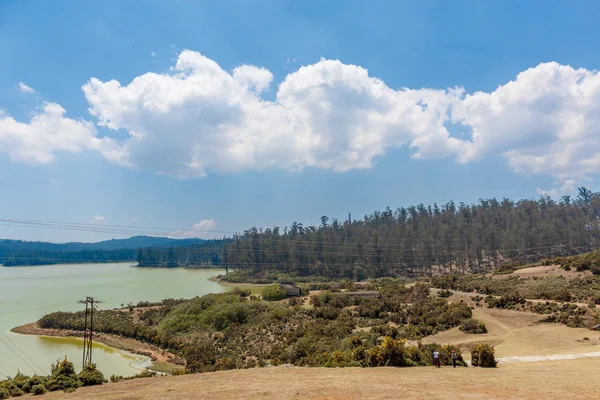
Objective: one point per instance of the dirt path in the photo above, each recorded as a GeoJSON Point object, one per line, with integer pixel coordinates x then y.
{"type": "Point", "coordinates": [520, 334]}
{"type": "Point", "coordinates": [556, 357]}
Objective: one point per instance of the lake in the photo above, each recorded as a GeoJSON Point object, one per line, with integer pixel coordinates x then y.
{"type": "Point", "coordinates": [28, 293]}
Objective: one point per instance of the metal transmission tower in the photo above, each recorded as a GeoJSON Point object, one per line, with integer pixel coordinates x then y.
{"type": "Point", "coordinates": [88, 332]}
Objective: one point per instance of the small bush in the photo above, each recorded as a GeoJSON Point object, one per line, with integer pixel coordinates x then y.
{"type": "Point", "coordinates": [16, 391]}
{"type": "Point", "coordinates": [472, 325]}
{"type": "Point", "coordinates": [4, 394]}
{"type": "Point", "coordinates": [273, 293]}
{"type": "Point", "coordinates": [482, 355]}
{"type": "Point", "coordinates": [63, 377]}
{"type": "Point", "coordinates": [91, 376]}
{"type": "Point", "coordinates": [116, 378]}
{"type": "Point", "coordinates": [38, 389]}
{"type": "Point", "coordinates": [444, 293]}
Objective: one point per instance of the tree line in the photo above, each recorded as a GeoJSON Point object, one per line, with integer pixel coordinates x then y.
{"type": "Point", "coordinates": [202, 253]}
{"type": "Point", "coordinates": [206, 254]}
{"type": "Point", "coordinates": [424, 239]}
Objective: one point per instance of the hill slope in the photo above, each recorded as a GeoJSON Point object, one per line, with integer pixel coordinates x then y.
{"type": "Point", "coordinates": [575, 380]}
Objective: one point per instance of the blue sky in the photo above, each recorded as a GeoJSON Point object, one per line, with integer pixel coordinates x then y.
{"type": "Point", "coordinates": [329, 141]}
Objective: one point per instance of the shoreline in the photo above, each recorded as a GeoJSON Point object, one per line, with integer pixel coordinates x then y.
{"type": "Point", "coordinates": [130, 346]}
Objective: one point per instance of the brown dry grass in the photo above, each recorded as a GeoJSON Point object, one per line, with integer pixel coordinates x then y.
{"type": "Point", "coordinates": [516, 333]}
{"type": "Point", "coordinates": [543, 271]}
{"type": "Point", "coordinates": [543, 380]}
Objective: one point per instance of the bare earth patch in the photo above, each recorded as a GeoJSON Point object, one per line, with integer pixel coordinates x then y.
{"type": "Point", "coordinates": [574, 379]}
{"type": "Point", "coordinates": [542, 271]}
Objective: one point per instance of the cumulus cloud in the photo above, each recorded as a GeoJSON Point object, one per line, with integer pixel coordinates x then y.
{"type": "Point", "coordinates": [23, 87]}
{"type": "Point", "coordinates": [98, 219]}
{"type": "Point", "coordinates": [48, 132]}
{"type": "Point", "coordinates": [546, 121]}
{"type": "Point", "coordinates": [203, 230]}
{"type": "Point", "coordinates": [198, 118]}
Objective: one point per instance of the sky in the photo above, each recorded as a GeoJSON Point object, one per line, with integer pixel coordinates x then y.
{"type": "Point", "coordinates": [205, 118]}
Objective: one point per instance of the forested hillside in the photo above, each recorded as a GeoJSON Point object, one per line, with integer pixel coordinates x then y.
{"type": "Point", "coordinates": [151, 251]}
{"type": "Point", "coordinates": [207, 253]}
{"type": "Point", "coordinates": [422, 239]}
{"type": "Point", "coordinates": [133, 242]}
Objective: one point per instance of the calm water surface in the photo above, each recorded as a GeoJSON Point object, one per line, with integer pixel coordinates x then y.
{"type": "Point", "coordinates": [28, 293]}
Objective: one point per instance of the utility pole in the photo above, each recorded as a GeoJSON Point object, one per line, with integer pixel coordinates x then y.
{"type": "Point", "coordinates": [88, 331]}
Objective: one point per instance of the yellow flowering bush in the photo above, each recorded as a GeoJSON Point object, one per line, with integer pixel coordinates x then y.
{"type": "Point", "coordinates": [482, 355]}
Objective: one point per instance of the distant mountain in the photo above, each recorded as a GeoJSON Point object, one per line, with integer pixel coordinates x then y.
{"type": "Point", "coordinates": [133, 242]}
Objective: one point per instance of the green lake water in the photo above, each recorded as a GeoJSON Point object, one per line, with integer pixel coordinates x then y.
{"type": "Point", "coordinates": [28, 293]}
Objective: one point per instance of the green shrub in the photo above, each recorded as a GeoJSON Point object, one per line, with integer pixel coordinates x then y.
{"type": "Point", "coordinates": [33, 381]}
{"type": "Point", "coordinates": [390, 352]}
{"type": "Point", "coordinates": [482, 355]}
{"type": "Point", "coordinates": [473, 325]}
{"type": "Point", "coordinates": [116, 378]}
{"type": "Point", "coordinates": [38, 389]}
{"type": "Point", "coordinates": [4, 394]}
{"type": "Point", "coordinates": [273, 293]}
{"type": "Point", "coordinates": [63, 377]}
{"type": "Point", "coordinates": [91, 376]}
{"type": "Point", "coordinates": [16, 391]}
{"type": "Point", "coordinates": [444, 293]}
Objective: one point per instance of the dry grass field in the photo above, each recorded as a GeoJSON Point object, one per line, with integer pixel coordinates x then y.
{"type": "Point", "coordinates": [516, 333]}
{"type": "Point", "coordinates": [576, 379]}
{"type": "Point", "coordinates": [544, 271]}
{"type": "Point", "coordinates": [513, 333]}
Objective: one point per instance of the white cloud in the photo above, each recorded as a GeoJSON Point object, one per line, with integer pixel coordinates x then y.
{"type": "Point", "coordinates": [199, 119]}
{"type": "Point", "coordinates": [203, 230]}
{"type": "Point", "coordinates": [48, 132]}
{"type": "Point", "coordinates": [546, 121]}
{"type": "Point", "coordinates": [98, 219]}
{"type": "Point", "coordinates": [23, 87]}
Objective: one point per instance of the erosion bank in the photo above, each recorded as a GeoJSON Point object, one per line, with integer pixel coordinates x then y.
{"type": "Point", "coordinates": [162, 361]}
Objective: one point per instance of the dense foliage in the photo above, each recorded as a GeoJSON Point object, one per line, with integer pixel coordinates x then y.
{"type": "Point", "coordinates": [148, 251]}
{"type": "Point", "coordinates": [473, 325]}
{"type": "Point", "coordinates": [63, 377]}
{"type": "Point", "coordinates": [423, 239]}
{"type": "Point", "coordinates": [225, 331]}
{"type": "Point", "coordinates": [206, 253]}
{"type": "Point", "coordinates": [483, 355]}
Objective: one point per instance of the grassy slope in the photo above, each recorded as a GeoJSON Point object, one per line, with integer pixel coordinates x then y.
{"type": "Point", "coordinates": [542, 380]}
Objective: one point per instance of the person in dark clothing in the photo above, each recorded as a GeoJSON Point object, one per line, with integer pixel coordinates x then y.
{"type": "Point", "coordinates": [454, 357]}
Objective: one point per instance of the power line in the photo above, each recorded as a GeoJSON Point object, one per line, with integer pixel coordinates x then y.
{"type": "Point", "coordinates": [25, 354]}
{"type": "Point", "coordinates": [18, 355]}
{"type": "Point", "coordinates": [124, 229]}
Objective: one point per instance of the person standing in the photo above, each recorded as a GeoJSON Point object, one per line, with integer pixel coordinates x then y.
{"type": "Point", "coordinates": [436, 358]}
{"type": "Point", "coordinates": [454, 357]}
